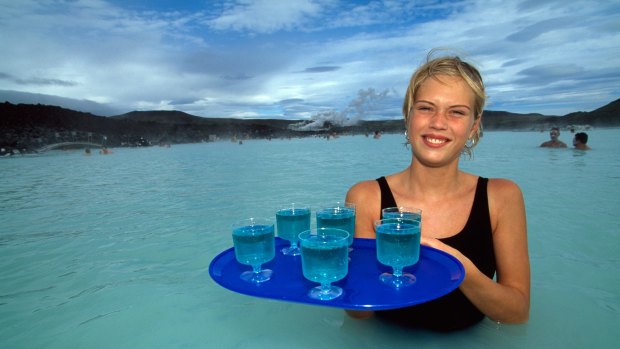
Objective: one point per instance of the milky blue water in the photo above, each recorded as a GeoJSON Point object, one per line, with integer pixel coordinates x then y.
{"type": "Point", "coordinates": [112, 251]}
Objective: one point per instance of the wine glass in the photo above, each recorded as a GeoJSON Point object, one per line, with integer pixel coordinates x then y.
{"type": "Point", "coordinates": [398, 246]}
{"type": "Point", "coordinates": [402, 212]}
{"type": "Point", "coordinates": [324, 259]}
{"type": "Point", "coordinates": [254, 243]}
{"type": "Point", "coordinates": [339, 215]}
{"type": "Point", "coordinates": [291, 221]}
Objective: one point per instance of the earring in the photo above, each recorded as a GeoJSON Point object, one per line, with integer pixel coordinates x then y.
{"type": "Point", "coordinates": [470, 142]}
{"type": "Point", "coordinates": [406, 144]}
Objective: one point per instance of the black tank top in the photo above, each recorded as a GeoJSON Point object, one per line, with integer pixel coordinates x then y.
{"type": "Point", "coordinates": [452, 311]}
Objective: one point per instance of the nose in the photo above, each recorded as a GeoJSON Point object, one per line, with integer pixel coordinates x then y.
{"type": "Point", "coordinates": [438, 119]}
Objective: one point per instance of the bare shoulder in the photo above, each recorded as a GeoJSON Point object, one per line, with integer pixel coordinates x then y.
{"type": "Point", "coordinates": [364, 190]}
{"type": "Point", "coordinates": [503, 190]}
{"type": "Point", "coordinates": [366, 196]}
{"type": "Point", "coordinates": [505, 202]}
{"type": "Point", "coordinates": [501, 187]}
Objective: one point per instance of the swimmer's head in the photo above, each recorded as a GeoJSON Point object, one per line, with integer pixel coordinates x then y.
{"type": "Point", "coordinates": [581, 137]}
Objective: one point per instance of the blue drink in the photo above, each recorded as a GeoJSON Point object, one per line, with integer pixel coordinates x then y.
{"type": "Point", "coordinates": [402, 212]}
{"type": "Point", "coordinates": [254, 245]}
{"type": "Point", "coordinates": [291, 222]}
{"type": "Point", "coordinates": [324, 259]}
{"type": "Point", "coordinates": [324, 263]}
{"type": "Point", "coordinates": [398, 246]}
{"type": "Point", "coordinates": [339, 217]}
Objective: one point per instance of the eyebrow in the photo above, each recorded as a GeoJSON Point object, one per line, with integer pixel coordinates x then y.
{"type": "Point", "coordinates": [452, 106]}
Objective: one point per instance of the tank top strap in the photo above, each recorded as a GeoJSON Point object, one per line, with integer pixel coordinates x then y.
{"type": "Point", "coordinates": [387, 199]}
{"type": "Point", "coordinates": [479, 215]}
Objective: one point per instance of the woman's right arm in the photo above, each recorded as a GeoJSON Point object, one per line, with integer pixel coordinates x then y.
{"type": "Point", "coordinates": [367, 199]}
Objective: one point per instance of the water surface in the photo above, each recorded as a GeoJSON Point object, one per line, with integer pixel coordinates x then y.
{"type": "Point", "coordinates": [113, 251]}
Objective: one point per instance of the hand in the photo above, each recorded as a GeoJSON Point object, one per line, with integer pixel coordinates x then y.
{"type": "Point", "coordinates": [435, 243]}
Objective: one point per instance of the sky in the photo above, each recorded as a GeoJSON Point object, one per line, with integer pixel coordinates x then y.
{"type": "Point", "coordinates": [302, 59]}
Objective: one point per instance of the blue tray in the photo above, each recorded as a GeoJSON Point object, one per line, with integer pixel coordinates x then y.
{"type": "Point", "coordinates": [437, 273]}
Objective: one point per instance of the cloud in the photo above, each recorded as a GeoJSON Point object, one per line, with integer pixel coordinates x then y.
{"type": "Point", "coordinates": [183, 101]}
{"type": "Point", "coordinates": [298, 58]}
{"type": "Point", "coordinates": [549, 72]}
{"type": "Point", "coordinates": [240, 76]}
{"type": "Point", "coordinates": [291, 101]}
{"type": "Point", "coordinates": [537, 29]}
{"type": "Point", "coordinates": [264, 16]}
{"type": "Point", "coordinates": [513, 62]}
{"type": "Point", "coordinates": [35, 80]}
{"type": "Point", "coordinates": [322, 69]}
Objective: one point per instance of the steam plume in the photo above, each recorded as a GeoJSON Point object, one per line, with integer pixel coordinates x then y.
{"type": "Point", "coordinates": [366, 102]}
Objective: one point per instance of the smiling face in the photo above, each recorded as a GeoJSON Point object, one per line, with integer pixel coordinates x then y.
{"type": "Point", "coordinates": [448, 66]}
{"type": "Point", "coordinates": [441, 120]}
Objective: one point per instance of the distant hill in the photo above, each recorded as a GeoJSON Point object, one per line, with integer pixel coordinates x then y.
{"type": "Point", "coordinates": [606, 116]}
{"type": "Point", "coordinates": [181, 118]}
{"type": "Point", "coordinates": [30, 126]}
{"type": "Point", "coordinates": [173, 117]}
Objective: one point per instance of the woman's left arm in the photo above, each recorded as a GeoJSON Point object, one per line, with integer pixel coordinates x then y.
{"type": "Point", "coordinates": [508, 299]}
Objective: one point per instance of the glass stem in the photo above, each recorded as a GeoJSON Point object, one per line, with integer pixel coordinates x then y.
{"type": "Point", "coordinates": [325, 287]}
{"type": "Point", "coordinates": [256, 269]}
{"type": "Point", "coordinates": [398, 272]}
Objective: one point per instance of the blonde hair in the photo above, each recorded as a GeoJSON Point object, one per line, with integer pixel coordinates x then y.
{"type": "Point", "coordinates": [455, 67]}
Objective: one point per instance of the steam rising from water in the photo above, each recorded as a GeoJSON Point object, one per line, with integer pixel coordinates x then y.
{"type": "Point", "coordinates": [366, 102]}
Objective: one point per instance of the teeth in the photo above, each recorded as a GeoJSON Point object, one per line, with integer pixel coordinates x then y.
{"type": "Point", "coordinates": [435, 140]}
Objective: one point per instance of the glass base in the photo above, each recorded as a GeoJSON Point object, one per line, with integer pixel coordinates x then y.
{"type": "Point", "coordinates": [292, 250]}
{"type": "Point", "coordinates": [256, 278]}
{"type": "Point", "coordinates": [325, 293]}
{"type": "Point", "coordinates": [397, 281]}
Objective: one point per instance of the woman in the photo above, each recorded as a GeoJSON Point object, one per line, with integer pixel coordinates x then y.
{"type": "Point", "coordinates": [481, 222]}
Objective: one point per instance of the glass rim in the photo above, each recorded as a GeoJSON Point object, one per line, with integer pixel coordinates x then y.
{"type": "Point", "coordinates": [403, 209]}
{"type": "Point", "coordinates": [309, 233]}
{"type": "Point", "coordinates": [294, 206]}
{"type": "Point", "coordinates": [380, 222]}
{"type": "Point", "coordinates": [336, 204]}
{"type": "Point", "coordinates": [252, 221]}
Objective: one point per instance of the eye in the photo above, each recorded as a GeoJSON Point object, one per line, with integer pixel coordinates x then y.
{"type": "Point", "coordinates": [424, 108]}
{"type": "Point", "coordinates": [458, 112]}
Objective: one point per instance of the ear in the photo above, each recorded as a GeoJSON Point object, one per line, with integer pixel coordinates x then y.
{"type": "Point", "coordinates": [475, 128]}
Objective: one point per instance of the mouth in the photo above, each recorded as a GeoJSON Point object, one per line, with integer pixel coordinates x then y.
{"type": "Point", "coordinates": [435, 140]}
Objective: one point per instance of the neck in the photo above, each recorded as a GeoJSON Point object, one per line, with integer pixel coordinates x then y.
{"type": "Point", "coordinates": [433, 182]}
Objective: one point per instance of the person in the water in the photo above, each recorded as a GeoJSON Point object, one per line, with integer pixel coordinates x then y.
{"type": "Point", "coordinates": [555, 142]}
{"type": "Point", "coordinates": [580, 140]}
{"type": "Point", "coordinates": [479, 221]}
